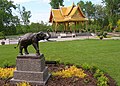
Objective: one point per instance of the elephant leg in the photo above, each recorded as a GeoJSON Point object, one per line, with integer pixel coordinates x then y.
{"type": "Point", "coordinates": [20, 50]}
{"type": "Point", "coordinates": [26, 51]}
{"type": "Point", "coordinates": [35, 45]}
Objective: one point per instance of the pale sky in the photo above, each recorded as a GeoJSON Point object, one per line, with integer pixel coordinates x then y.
{"type": "Point", "coordinates": [40, 9]}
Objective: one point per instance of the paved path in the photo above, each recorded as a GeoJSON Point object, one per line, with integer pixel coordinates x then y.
{"type": "Point", "coordinates": [14, 41]}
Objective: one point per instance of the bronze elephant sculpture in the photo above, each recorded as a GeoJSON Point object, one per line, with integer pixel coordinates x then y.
{"type": "Point", "coordinates": [32, 39]}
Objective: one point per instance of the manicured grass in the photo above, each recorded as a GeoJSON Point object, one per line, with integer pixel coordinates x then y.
{"type": "Point", "coordinates": [104, 54]}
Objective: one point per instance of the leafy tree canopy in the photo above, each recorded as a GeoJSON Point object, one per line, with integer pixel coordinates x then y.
{"type": "Point", "coordinates": [6, 17]}
{"type": "Point", "coordinates": [24, 15]}
{"type": "Point", "coordinates": [56, 3]}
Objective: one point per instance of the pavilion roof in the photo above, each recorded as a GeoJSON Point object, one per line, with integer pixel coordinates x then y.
{"type": "Point", "coordinates": [67, 14]}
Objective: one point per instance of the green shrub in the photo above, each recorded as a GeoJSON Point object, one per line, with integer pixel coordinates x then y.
{"type": "Point", "coordinates": [93, 69]}
{"type": "Point", "coordinates": [102, 35]}
{"type": "Point", "coordinates": [117, 29]}
{"type": "Point", "coordinates": [98, 73]}
{"type": "Point", "coordinates": [86, 66]}
{"type": "Point", "coordinates": [105, 34]}
{"type": "Point", "coordinates": [102, 81]}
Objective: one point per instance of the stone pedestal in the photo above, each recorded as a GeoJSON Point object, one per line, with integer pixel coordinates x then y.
{"type": "Point", "coordinates": [31, 68]}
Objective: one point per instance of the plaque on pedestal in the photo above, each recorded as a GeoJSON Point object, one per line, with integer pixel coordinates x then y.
{"type": "Point", "coordinates": [31, 68]}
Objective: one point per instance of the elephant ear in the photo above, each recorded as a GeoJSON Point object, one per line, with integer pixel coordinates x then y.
{"type": "Point", "coordinates": [40, 35]}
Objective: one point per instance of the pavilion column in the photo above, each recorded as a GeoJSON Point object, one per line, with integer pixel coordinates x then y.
{"type": "Point", "coordinates": [78, 26]}
{"type": "Point", "coordinates": [75, 27]}
{"type": "Point", "coordinates": [64, 27]}
{"type": "Point", "coordinates": [83, 25]}
{"type": "Point", "coordinates": [67, 26]}
{"type": "Point", "coordinates": [53, 26]}
{"type": "Point", "coordinates": [70, 28]}
{"type": "Point", "coordinates": [56, 24]}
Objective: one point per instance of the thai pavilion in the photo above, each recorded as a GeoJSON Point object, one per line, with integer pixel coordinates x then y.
{"type": "Point", "coordinates": [67, 16]}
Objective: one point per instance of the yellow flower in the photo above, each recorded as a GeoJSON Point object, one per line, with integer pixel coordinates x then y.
{"type": "Point", "coordinates": [23, 84]}
{"type": "Point", "coordinates": [6, 73]}
{"type": "Point", "coordinates": [70, 72]}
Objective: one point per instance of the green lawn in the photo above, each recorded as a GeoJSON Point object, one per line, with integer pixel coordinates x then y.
{"type": "Point", "coordinates": [104, 54]}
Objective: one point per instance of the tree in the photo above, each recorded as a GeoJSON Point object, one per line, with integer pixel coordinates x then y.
{"type": "Point", "coordinates": [100, 15]}
{"type": "Point", "coordinates": [82, 5]}
{"type": "Point", "coordinates": [56, 3]}
{"type": "Point", "coordinates": [118, 26]}
{"type": "Point", "coordinates": [24, 15]}
{"type": "Point", "coordinates": [113, 10]}
{"type": "Point", "coordinates": [88, 9]}
{"type": "Point", "coordinates": [7, 20]}
{"type": "Point", "coordinates": [105, 16]}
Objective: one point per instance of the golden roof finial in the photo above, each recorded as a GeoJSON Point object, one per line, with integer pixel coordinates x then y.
{"type": "Point", "coordinates": [59, 5]}
{"type": "Point", "coordinates": [73, 4]}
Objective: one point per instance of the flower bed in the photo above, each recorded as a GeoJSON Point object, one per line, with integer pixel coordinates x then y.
{"type": "Point", "coordinates": [66, 75]}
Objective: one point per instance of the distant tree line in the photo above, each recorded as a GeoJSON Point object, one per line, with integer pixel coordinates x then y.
{"type": "Point", "coordinates": [33, 27]}
{"type": "Point", "coordinates": [18, 23]}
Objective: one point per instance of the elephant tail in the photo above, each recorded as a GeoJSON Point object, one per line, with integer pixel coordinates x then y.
{"type": "Point", "coordinates": [17, 44]}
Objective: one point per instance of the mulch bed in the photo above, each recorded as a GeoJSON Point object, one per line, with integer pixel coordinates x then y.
{"type": "Point", "coordinates": [89, 80]}
{"type": "Point", "coordinates": [74, 81]}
